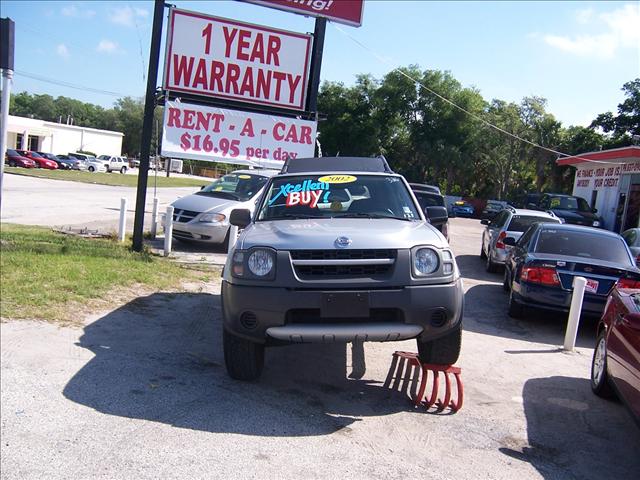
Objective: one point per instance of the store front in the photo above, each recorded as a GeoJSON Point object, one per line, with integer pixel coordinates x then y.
{"type": "Point", "coordinates": [610, 181]}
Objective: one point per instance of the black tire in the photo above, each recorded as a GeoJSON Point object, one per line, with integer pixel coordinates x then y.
{"type": "Point", "coordinates": [483, 255]}
{"type": "Point", "coordinates": [516, 310]}
{"type": "Point", "coordinates": [244, 359]}
{"type": "Point", "coordinates": [91, 168]}
{"type": "Point", "coordinates": [599, 377]}
{"type": "Point", "coordinates": [506, 282]}
{"type": "Point", "coordinates": [123, 170]}
{"type": "Point", "coordinates": [489, 265]}
{"type": "Point", "coordinates": [441, 351]}
{"type": "Point", "coordinates": [12, 163]}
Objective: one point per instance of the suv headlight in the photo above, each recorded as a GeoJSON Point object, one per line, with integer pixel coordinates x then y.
{"type": "Point", "coordinates": [256, 264]}
{"type": "Point", "coordinates": [425, 261]}
{"type": "Point", "coordinates": [212, 217]}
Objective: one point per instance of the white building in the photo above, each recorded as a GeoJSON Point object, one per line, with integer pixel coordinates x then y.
{"type": "Point", "coordinates": [50, 137]}
{"type": "Point", "coordinates": [609, 180]}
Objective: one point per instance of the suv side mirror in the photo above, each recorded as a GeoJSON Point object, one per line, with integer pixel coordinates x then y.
{"type": "Point", "coordinates": [485, 221]}
{"type": "Point", "coordinates": [240, 217]}
{"type": "Point", "coordinates": [509, 241]}
{"type": "Point", "coordinates": [436, 215]}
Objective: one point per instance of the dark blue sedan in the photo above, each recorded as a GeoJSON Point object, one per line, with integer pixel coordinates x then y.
{"type": "Point", "coordinates": [542, 264]}
{"type": "Point", "coordinates": [462, 209]}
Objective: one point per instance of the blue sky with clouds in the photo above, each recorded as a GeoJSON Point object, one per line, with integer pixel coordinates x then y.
{"type": "Point", "coordinates": [575, 54]}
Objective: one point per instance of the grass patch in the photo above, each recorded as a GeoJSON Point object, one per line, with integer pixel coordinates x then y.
{"type": "Point", "coordinates": [51, 276]}
{"type": "Point", "coordinates": [103, 178]}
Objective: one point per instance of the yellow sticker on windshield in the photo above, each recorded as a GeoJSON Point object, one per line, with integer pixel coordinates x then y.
{"type": "Point", "coordinates": [338, 179]}
{"type": "Point", "coordinates": [244, 177]}
{"type": "Point", "coordinates": [217, 189]}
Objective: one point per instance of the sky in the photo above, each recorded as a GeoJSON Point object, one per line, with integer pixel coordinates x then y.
{"type": "Point", "coordinates": [575, 54]}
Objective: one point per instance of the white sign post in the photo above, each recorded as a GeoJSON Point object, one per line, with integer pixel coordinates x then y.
{"type": "Point", "coordinates": [217, 57]}
{"type": "Point", "coordinates": [206, 133]}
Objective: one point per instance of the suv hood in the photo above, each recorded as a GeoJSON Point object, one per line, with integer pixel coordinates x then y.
{"type": "Point", "coordinates": [321, 234]}
{"type": "Point", "coordinates": [204, 203]}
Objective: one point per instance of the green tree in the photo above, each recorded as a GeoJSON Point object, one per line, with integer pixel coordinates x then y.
{"type": "Point", "coordinates": [622, 127]}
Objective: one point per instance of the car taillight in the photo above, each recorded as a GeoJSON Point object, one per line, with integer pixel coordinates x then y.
{"type": "Point", "coordinates": [541, 275]}
{"type": "Point", "coordinates": [628, 283]}
{"type": "Point", "coordinates": [501, 237]}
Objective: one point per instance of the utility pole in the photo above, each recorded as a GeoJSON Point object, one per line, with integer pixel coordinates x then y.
{"type": "Point", "coordinates": [147, 125]}
{"type": "Point", "coordinates": [7, 40]}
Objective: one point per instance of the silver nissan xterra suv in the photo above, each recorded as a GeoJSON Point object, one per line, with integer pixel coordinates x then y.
{"type": "Point", "coordinates": [338, 250]}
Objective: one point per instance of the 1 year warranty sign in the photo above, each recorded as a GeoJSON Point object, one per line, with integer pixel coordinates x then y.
{"type": "Point", "coordinates": [217, 57]}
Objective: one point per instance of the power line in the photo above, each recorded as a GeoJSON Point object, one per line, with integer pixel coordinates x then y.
{"type": "Point", "coordinates": [462, 109]}
{"type": "Point", "coordinates": [40, 78]}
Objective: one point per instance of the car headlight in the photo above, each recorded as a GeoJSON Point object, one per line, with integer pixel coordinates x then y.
{"type": "Point", "coordinates": [425, 261]}
{"type": "Point", "coordinates": [212, 217]}
{"type": "Point", "coordinates": [596, 223]}
{"type": "Point", "coordinates": [260, 262]}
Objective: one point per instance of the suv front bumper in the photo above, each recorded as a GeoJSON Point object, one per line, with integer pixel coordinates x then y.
{"type": "Point", "coordinates": [262, 313]}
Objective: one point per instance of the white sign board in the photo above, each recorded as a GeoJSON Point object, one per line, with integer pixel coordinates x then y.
{"type": "Point", "coordinates": [220, 135]}
{"type": "Point", "coordinates": [223, 58]}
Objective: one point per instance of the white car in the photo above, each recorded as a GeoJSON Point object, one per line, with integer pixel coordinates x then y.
{"type": "Point", "coordinates": [92, 163]}
{"type": "Point", "coordinates": [114, 164]}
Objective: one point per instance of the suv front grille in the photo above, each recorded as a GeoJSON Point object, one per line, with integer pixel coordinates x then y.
{"type": "Point", "coordinates": [184, 216]}
{"type": "Point", "coordinates": [316, 264]}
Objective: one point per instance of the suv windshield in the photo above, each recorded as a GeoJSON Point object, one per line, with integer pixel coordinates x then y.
{"type": "Point", "coordinates": [569, 203]}
{"type": "Point", "coordinates": [338, 196]}
{"type": "Point", "coordinates": [235, 186]}
{"type": "Point", "coordinates": [583, 244]}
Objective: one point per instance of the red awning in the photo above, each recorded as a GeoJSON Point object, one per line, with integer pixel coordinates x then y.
{"type": "Point", "coordinates": [624, 154]}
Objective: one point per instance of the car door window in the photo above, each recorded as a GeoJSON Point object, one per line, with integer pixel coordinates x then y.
{"type": "Point", "coordinates": [524, 240]}
{"type": "Point", "coordinates": [500, 220]}
{"type": "Point", "coordinates": [630, 237]}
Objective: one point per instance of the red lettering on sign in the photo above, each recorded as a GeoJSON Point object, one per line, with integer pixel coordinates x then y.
{"type": "Point", "coordinates": [182, 70]}
{"type": "Point", "coordinates": [228, 40]}
{"type": "Point", "coordinates": [243, 44]}
{"type": "Point", "coordinates": [174, 117]}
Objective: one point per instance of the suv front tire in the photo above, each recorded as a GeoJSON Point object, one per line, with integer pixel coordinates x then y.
{"type": "Point", "coordinates": [441, 351]}
{"type": "Point", "coordinates": [244, 359]}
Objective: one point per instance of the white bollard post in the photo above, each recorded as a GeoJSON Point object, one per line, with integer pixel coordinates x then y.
{"type": "Point", "coordinates": [579, 284]}
{"type": "Point", "coordinates": [168, 230]}
{"type": "Point", "coordinates": [154, 218]}
{"type": "Point", "coordinates": [122, 225]}
{"type": "Point", "coordinates": [233, 237]}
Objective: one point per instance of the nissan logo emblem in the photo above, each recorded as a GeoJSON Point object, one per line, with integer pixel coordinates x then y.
{"type": "Point", "coordinates": [342, 242]}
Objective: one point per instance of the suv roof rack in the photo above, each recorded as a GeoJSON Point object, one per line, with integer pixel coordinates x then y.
{"type": "Point", "coordinates": [337, 164]}
{"type": "Point", "coordinates": [511, 208]}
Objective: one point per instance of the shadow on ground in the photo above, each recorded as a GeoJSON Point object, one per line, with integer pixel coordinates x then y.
{"type": "Point", "coordinates": [159, 358]}
{"type": "Point", "coordinates": [604, 440]}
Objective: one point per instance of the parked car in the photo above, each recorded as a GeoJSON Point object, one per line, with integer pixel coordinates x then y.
{"type": "Point", "coordinates": [14, 159]}
{"type": "Point", "coordinates": [573, 210]}
{"type": "Point", "coordinates": [41, 162]}
{"type": "Point", "coordinates": [76, 163]}
{"type": "Point", "coordinates": [510, 222]}
{"type": "Point", "coordinates": [92, 163]}
{"type": "Point", "coordinates": [114, 164]}
{"type": "Point", "coordinates": [338, 251]}
{"type": "Point", "coordinates": [428, 199]}
{"type": "Point", "coordinates": [615, 368]}
{"type": "Point", "coordinates": [543, 263]}
{"type": "Point", "coordinates": [530, 200]}
{"type": "Point", "coordinates": [632, 239]}
{"type": "Point", "coordinates": [492, 208]}
{"type": "Point", "coordinates": [63, 164]}
{"type": "Point", "coordinates": [462, 209]}
{"type": "Point", "coordinates": [134, 163]}
{"type": "Point", "coordinates": [204, 216]}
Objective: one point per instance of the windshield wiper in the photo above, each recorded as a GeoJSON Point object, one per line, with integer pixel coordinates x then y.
{"type": "Point", "coordinates": [368, 215]}
{"type": "Point", "coordinates": [294, 216]}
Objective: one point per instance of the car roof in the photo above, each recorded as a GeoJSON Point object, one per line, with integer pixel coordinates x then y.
{"type": "Point", "coordinates": [336, 164]}
{"type": "Point", "coordinates": [567, 227]}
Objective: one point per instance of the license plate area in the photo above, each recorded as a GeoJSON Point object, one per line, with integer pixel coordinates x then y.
{"type": "Point", "coordinates": [345, 304]}
{"type": "Point", "coordinates": [592, 286]}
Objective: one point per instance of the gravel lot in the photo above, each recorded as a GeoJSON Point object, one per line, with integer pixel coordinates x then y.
{"type": "Point", "coordinates": [141, 392]}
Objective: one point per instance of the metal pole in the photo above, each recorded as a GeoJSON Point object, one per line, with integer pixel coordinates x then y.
{"type": "Point", "coordinates": [579, 284]}
{"type": "Point", "coordinates": [122, 225]}
{"type": "Point", "coordinates": [147, 125]}
{"type": "Point", "coordinates": [316, 64]}
{"type": "Point", "coordinates": [7, 80]}
{"type": "Point", "coordinates": [168, 230]}
{"type": "Point", "coordinates": [154, 218]}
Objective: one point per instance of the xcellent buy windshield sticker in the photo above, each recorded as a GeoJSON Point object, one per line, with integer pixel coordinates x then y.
{"type": "Point", "coordinates": [308, 192]}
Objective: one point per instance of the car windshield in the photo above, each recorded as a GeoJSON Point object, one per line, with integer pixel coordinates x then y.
{"type": "Point", "coordinates": [429, 199]}
{"type": "Point", "coordinates": [587, 245]}
{"type": "Point", "coordinates": [569, 203]}
{"type": "Point", "coordinates": [235, 186]}
{"type": "Point", "coordinates": [338, 196]}
{"type": "Point", "coordinates": [12, 152]}
{"type": "Point", "coordinates": [520, 223]}
{"type": "Point", "coordinates": [104, 157]}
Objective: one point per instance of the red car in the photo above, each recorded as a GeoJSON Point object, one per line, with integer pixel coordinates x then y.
{"type": "Point", "coordinates": [14, 159]}
{"type": "Point", "coordinates": [39, 159]}
{"type": "Point", "coordinates": [615, 368]}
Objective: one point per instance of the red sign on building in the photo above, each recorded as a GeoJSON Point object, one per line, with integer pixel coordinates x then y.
{"type": "Point", "coordinates": [348, 12]}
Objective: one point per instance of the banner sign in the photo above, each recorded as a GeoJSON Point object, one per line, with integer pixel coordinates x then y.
{"type": "Point", "coordinates": [230, 136]}
{"type": "Point", "coordinates": [222, 58]}
{"type": "Point", "coordinates": [348, 12]}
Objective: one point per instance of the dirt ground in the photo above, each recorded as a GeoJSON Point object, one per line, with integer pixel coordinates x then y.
{"type": "Point", "coordinates": [141, 392]}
